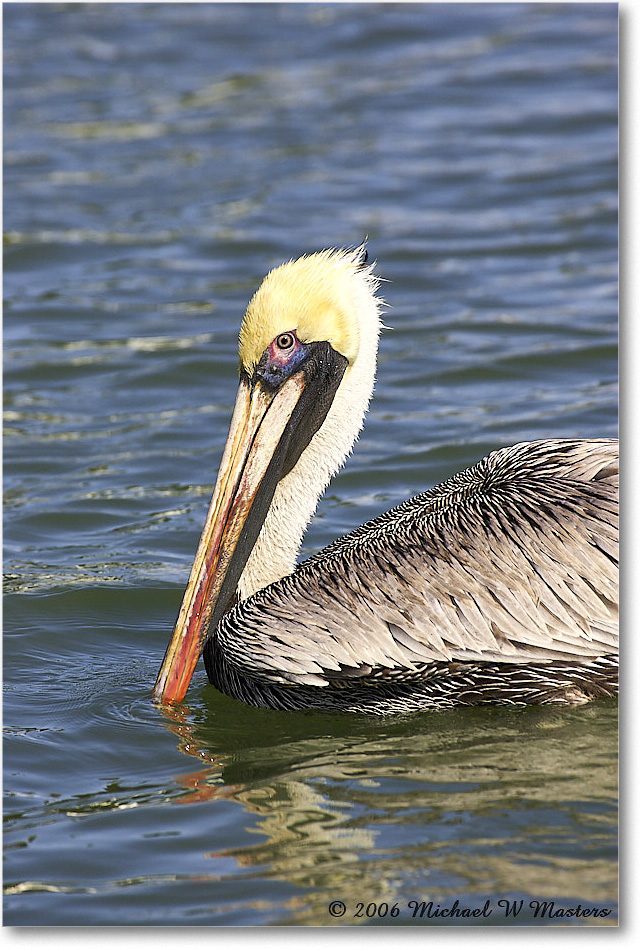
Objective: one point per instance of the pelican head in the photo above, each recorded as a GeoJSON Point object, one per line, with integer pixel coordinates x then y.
{"type": "Point", "coordinates": [307, 359]}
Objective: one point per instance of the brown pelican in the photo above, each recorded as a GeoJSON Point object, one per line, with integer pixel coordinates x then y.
{"type": "Point", "coordinates": [497, 586]}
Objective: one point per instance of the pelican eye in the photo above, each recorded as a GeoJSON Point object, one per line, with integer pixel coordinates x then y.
{"type": "Point", "coordinates": [281, 359]}
{"type": "Point", "coordinates": [285, 341]}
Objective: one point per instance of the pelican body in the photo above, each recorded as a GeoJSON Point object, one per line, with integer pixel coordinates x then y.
{"type": "Point", "coordinates": [498, 586]}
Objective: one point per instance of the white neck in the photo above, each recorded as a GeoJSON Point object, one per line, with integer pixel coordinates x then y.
{"type": "Point", "coordinates": [297, 495]}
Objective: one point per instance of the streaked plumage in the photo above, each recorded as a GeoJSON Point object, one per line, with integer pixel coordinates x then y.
{"type": "Point", "coordinates": [498, 586]}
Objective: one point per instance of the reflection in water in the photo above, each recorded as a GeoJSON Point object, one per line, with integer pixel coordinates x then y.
{"type": "Point", "coordinates": [485, 803]}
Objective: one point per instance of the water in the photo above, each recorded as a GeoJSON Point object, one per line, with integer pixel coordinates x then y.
{"type": "Point", "coordinates": [158, 160]}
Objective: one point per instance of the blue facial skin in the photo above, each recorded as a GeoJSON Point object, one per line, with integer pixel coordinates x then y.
{"type": "Point", "coordinates": [279, 362]}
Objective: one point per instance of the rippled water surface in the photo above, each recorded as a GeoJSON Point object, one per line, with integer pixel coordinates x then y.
{"type": "Point", "coordinates": [158, 160]}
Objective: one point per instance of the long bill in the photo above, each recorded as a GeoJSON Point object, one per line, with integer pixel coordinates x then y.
{"type": "Point", "coordinates": [259, 422]}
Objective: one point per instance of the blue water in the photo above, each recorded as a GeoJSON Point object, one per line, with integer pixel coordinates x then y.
{"type": "Point", "coordinates": [159, 159]}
